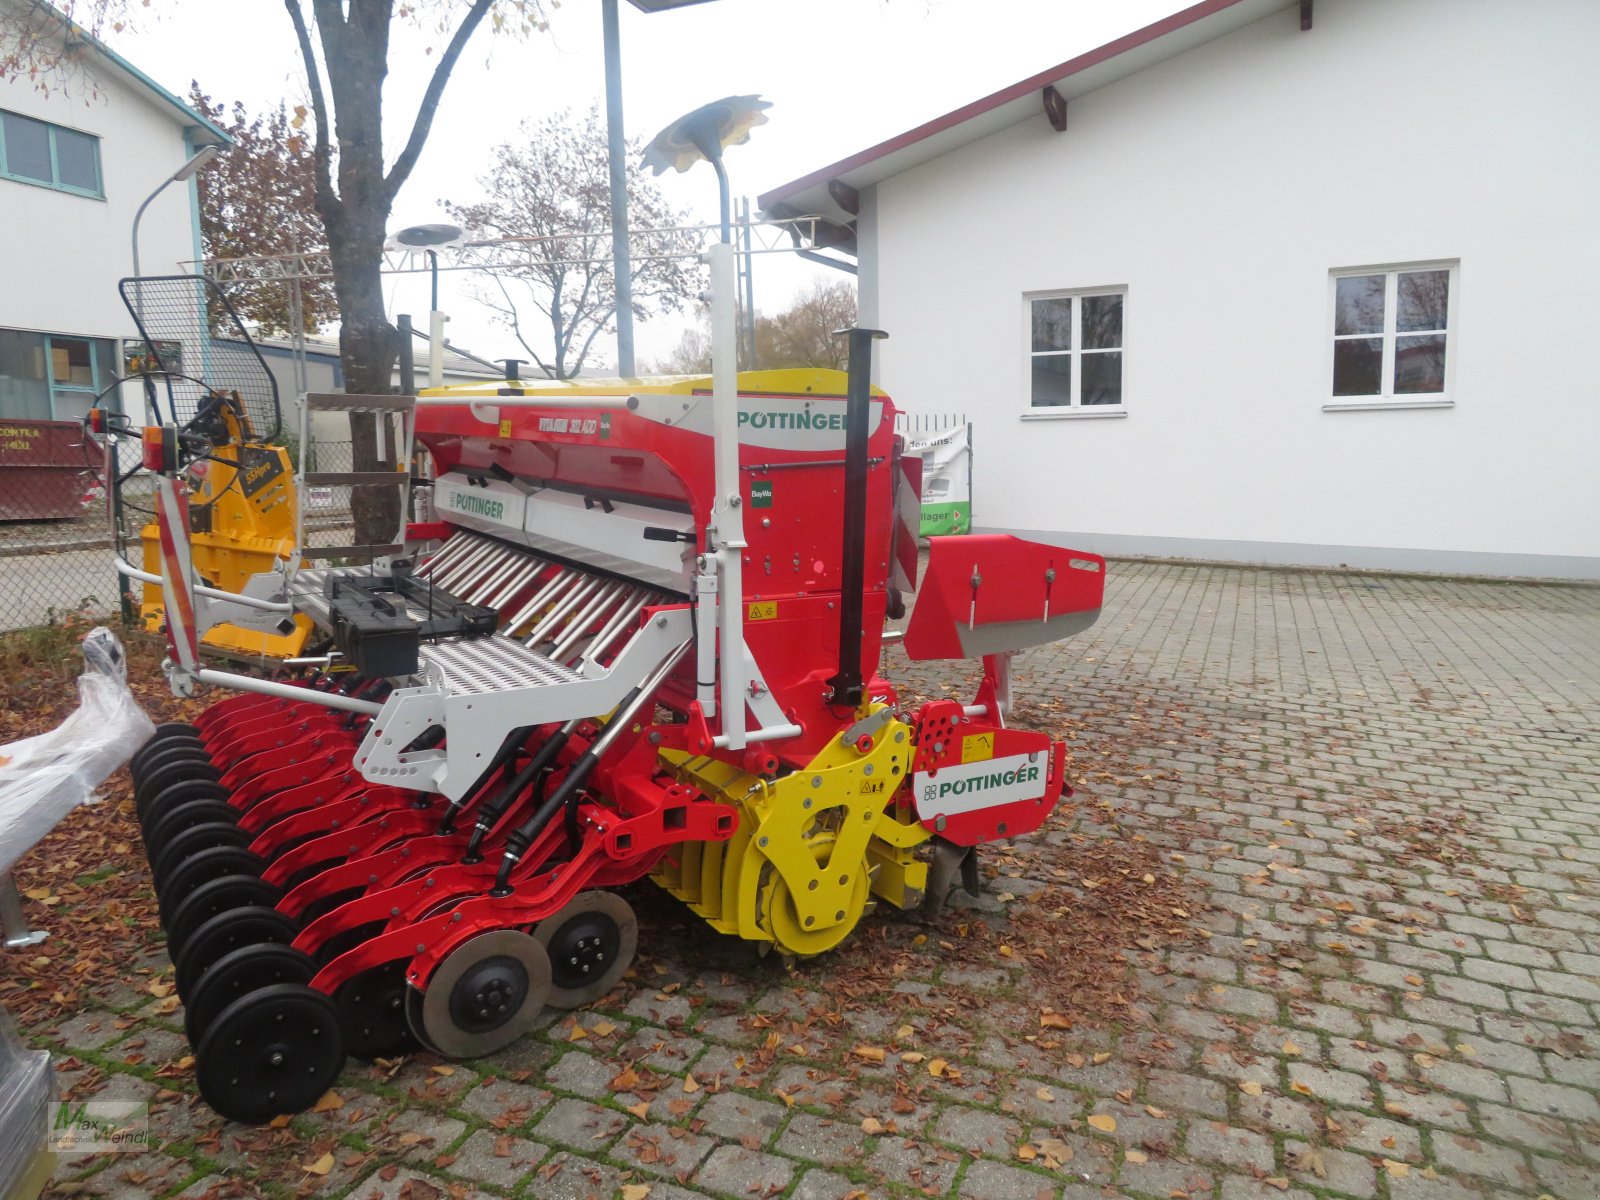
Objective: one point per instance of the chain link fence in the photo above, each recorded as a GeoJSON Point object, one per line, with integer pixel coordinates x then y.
{"type": "Point", "coordinates": [53, 568]}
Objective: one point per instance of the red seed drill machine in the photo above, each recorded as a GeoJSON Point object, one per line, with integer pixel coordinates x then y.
{"type": "Point", "coordinates": [641, 635]}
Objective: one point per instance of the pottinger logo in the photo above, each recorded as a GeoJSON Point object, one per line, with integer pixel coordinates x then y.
{"type": "Point", "coordinates": [989, 783]}
{"type": "Point", "coordinates": [795, 419]}
{"type": "Point", "coordinates": [994, 779]}
{"type": "Point", "coordinates": [479, 506]}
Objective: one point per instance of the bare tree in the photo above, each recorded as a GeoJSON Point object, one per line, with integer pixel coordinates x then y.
{"type": "Point", "coordinates": [692, 354]}
{"type": "Point", "coordinates": [344, 50]}
{"type": "Point", "coordinates": [550, 189]}
{"type": "Point", "coordinates": [258, 199]}
{"type": "Point", "coordinates": [802, 335]}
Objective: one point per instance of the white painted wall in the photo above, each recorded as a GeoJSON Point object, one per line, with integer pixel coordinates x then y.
{"type": "Point", "coordinates": [63, 253]}
{"type": "Point", "coordinates": [1220, 188]}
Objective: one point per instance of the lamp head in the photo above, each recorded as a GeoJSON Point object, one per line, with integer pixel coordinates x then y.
{"type": "Point", "coordinates": [705, 133]}
{"type": "Point", "coordinates": [191, 168]}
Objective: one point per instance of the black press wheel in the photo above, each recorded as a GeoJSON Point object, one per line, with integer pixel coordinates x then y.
{"type": "Point", "coordinates": [237, 973]}
{"type": "Point", "coordinates": [372, 1012]}
{"type": "Point", "coordinates": [203, 868]}
{"type": "Point", "coordinates": [272, 1051]}
{"type": "Point", "coordinates": [591, 943]}
{"type": "Point", "coordinates": [159, 778]}
{"type": "Point", "coordinates": [192, 840]}
{"type": "Point", "coordinates": [218, 896]}
{"type": "Point", "coordinates": [179, 793]}
{"type": "Point", "coordinates": [178, 818]}
{"type": "Point", "coordinates": [167, 732]}
{"type": "Point", "coordinates": [485, 995]}
{"type": "Point", "coordinates": [225, 932]}
{"type": "Point", "coordinates": [173, 751]}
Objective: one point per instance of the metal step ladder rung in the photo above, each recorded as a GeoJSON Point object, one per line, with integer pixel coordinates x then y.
{"type": "Point", "coordinates": [478, 666]}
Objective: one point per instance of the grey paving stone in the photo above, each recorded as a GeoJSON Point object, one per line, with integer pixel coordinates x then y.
{"type": "Point", "coordinates": [415, 1134]}
{"type": "Point", "coordinates": [1322, 1166]}
{"type": "Point", "coordinates": [1554, 1099]}
{"type": "Point", "coordinates": [1214, 1141]}
{"type": "Point", "coordinates": [1188, 1092]}
{"type": "Point", "coordinates": [87, 1031]}
{"type": "Point", "coordinates": [498, 1159]}
{"type": "Point", "coordinates": [977, 1131]}
{"type": "Point", "coordinates": [1487, 1160]}
{"type": "Point", "coordinates": [736, 1116]}
{"type": "Point", "coordinates": [986, 1180]}
{"type": "Point", "coordinates": [914, 1163]}
{"type": "Point", "coordinates": [407, 1182]}
{"type": "Point", "coordinates": [505, 1104]}
{"type": "Point", "coordinates": [581, 1074]}
{"type": "Point", "coordinates": [821, 1140]}
{"type": "Point", "coordinates": [818, 1184]}
{"type": "Point", "coordinates": [735, 1171]}
{"type": "Point", "coordinates": [1330, 1086]}
{"type": "Point", "coordinates": [662, 1050]}
{"type": "Point", "coordinates": [571, 1177]}
{"type": "Point", "coordinates": [662, 1149]}
{"type": "Point", "coordinates": [579, 1125]}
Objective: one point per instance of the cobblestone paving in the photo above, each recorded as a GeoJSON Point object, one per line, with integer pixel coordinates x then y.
{"type": "Point", "coordinates": [1385, 790]}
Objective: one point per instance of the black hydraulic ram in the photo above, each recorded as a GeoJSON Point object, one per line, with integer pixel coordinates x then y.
{"type": "Point", "coordinates": [525, 834]}
{"type": "Point", "coordinates": [533, 770]}
{"type": "Point", "coordinates": [846, 686]}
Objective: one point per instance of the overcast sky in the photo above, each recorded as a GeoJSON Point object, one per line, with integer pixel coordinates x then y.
{"type": "Point", "coordinates": [841, 75]}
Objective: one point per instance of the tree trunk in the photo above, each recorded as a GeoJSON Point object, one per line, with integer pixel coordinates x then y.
{"type": "Point", "coordinates": [357, 58]}
{"type": "Point", "coordinates": [368, 349]}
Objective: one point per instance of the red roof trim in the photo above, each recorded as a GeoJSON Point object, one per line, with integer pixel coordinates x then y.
{"type": "Point", "coordinates": [1033, 83]}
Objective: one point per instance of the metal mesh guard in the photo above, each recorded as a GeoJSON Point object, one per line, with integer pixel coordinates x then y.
{"type": "Point", "coordinates": [194, 336]}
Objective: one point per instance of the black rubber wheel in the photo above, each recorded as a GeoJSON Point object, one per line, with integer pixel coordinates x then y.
{"type": "Point", "coordinates": [486, 994]}
{"type": "Point", "coordinates": [414, 1021]}
{"type": "Point", "coordinates": [146, 799]}
{"type": "Point", "coordinates": [372, 1011]}
{"type": "Point", "coordinates": [180, 793]}
{"type": "Point", "coordinates": [272, 1051]}
{"type": "Point", "coordinates": [225, 932]}
{"type": "Point", "coordinates": [209, 899]}
{"type": "Point", "coordinates": [166, 732]}
{"type": "Point", "coordinates": [193, 840]}
{"type": "Point", "coordinates": [237, 973]}
{"type": "Point", "coordinates": [159, 778]}
{"type": "Point", "coordinates": [591, 943]}
{"type": "Point", "coordinates": [140, 766]}
{"type": "Point", "coordinates": [203, 868]}
{"type": "Point", "coordinates": [171, 752]}
{"type": "Point", "coordinates": [158, 835]}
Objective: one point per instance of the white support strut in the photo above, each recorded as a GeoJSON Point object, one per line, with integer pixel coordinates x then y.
{"type": "Point", "coordinates": [727, 513]}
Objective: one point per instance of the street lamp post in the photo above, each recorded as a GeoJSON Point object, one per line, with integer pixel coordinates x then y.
{"type": "Point", "coordinates": [616, 147]}
{"type": "Point", "coordinates": [189, 169]}
{"type": "Point", "coordinates": [703, 134]}
{"type": "Point", "coordinates": [430, 239]}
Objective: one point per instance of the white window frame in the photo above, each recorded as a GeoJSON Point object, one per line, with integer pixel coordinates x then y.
{"type": "Point", "coordinates": [1387, 398]}
{"type": "Point", "coordinates": [1076, 409]}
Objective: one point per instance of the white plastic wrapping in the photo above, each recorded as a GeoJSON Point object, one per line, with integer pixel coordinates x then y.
{"type": "Point", "coordinates": [27, 1088]}
{"type": "Point", "coordinates": [44, 778]}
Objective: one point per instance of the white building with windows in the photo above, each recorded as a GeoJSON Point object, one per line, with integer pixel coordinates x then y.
{"type": "Point", "coordinates": [78, 156]}
{"type": "Point", "coordinates": [1302, 282]}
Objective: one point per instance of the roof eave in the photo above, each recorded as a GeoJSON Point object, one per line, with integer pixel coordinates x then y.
{"type": "Point", "coordinates": [999, 110]}
{"type": "Point", "coordinates": [200, 130]}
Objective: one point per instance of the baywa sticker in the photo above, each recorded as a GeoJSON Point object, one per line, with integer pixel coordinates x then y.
{"type": "Point", "coordinates": [985, 784]}
{"type": "Point", "coordinates": [775, 423]}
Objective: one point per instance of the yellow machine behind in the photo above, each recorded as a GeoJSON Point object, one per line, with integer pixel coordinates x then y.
{"type": "Point", "coordinates": [243, 514]}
